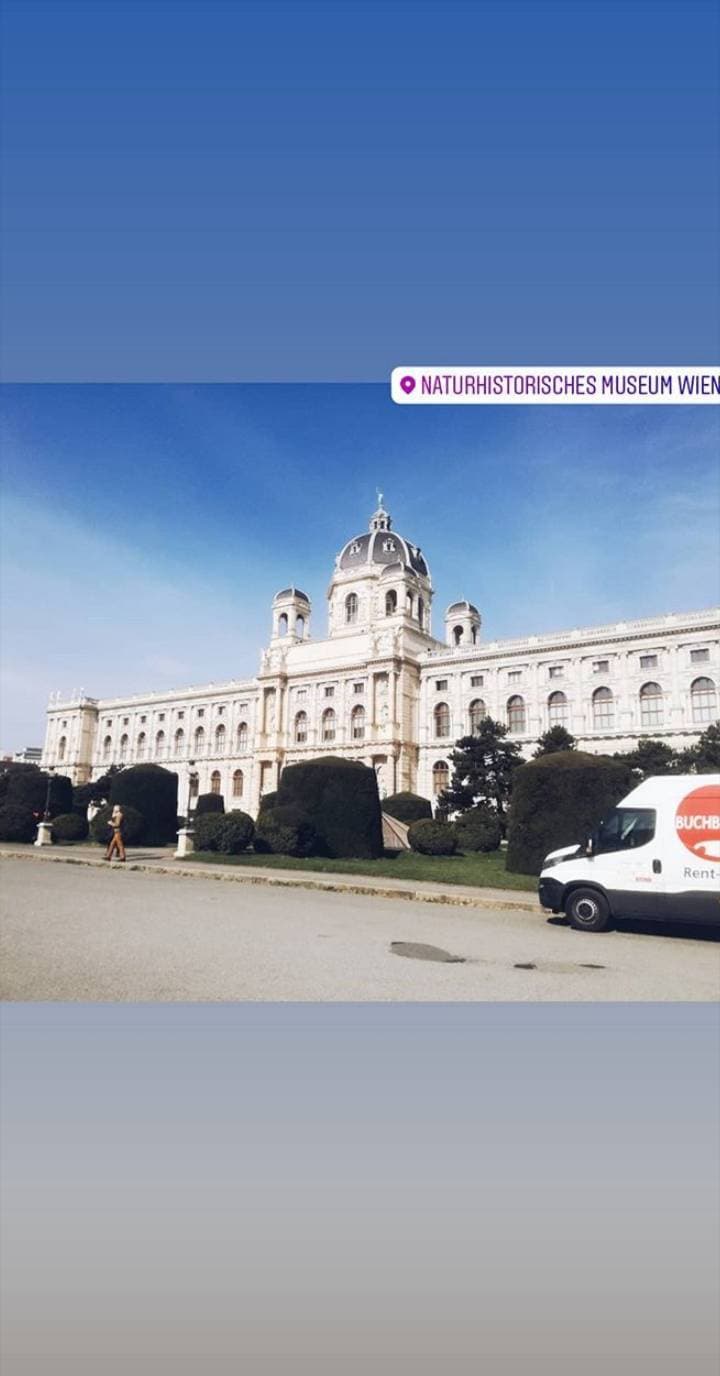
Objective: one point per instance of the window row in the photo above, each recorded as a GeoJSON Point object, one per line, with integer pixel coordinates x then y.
{"type": "Point", "coordinates": [414, 606]}
{"type": "Point", "coordinates": [237, 789]}
{"type": "Point", "coordinates": [703, 704]}
{"type": "Point", "coordinates": [199, 743]}
{"type": "Point", "coordinates": [328, 725]}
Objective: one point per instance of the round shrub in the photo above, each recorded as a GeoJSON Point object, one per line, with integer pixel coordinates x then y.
{"type": "Point", "coordinates": [17, 823]}
{"type": "Point", "coordinates": [133, 828]}
{"type": "Point", "coordinates": [340, 798]}
{"type": "Point", "coordinates": [207, 830]}
{"type": "Point", "coordinates": [432, 838]}
{"type": "Point", "coordinates": [478, 830]}
{"type": "Point", "coordinates": [236, 833]}
{"type": "Point", "coordinates": [285, 830]}
{"type": "Point", "coordinates": [152, 791]}
{"type": "Point", "coordinates": [209, 802]}
{"type": "Point", "coordinates": [268, 802]}
{"type": "Point", "coordinates": [558, 800]}
{"type": "Point", "coordinates": [407, 807]}
{"type": "Point", "coordinates": [29, 789]}
{"type": "Point", "coordinates": [70, 826]}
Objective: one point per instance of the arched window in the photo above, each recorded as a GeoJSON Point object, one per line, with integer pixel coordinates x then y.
{"type": "Point", "coordinates": [357, 721]}
{"type": "Point", "coordinates": [179, 741]}
{"type": "Point", "coordinates": [421, 612]}
{"type": "Point", "coordinates": [283, 623]}
{"type": "Point", "coordinates": [300, 627]}
{"type": "Point", "coordinates": [474, 635]}
{"type": "Point", "coordinates": [516, 715]}
{"type": "Point", "coordinates": [328, 725]}
{"type": "Point", "coordinates": [703, 696]}
{"type": "Point", "coordinates": [441, 777]}
{"type": "Point", "coordinates": [123, 748]}
{"type": "Point", "coordinates": [301, 725]}
{"type": "Point", "coordinates": [107, 748]}
{"type": "Point", "coordinates": [351, 609]}
{"type": "Point", "coordinates": [458, 634]}
{"type": "Point", "coordinates": [62, 743]}
{"type": "Point", "coordinates": [141, 744]}
{"type": "Point", "coordinates": [390, 602]}
{"type": "Point", "coordinates": [220, 739]}
{"type": "Point", "coordinates": [557, 709]}
{"type": "Point", "coordinates": [409, 603]}
{"type": "Point", "coordinates": [200, 740]}
{"type": "Point", "coordinates": [194, 785]}
{"type": "Point", "coordinates": [242, 736]}
{"type": "Point", "coordinates": [215, 781]}
{"type": "Point", "coordinates": [603, 709]}
{"type": "Point", "coordinates": [651, 705]}
{"type": "Point", "coordinates": [238, 782]}
{"type": "Point", "coordinates": [477, 712]}
{"type": "Point", "coordinates": [441, 717]}
{"type": "Point", "coordinates": [159, 745]}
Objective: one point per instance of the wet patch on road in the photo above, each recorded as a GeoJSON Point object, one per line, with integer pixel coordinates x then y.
{"type": "Point", "coordinates": [418, 950]}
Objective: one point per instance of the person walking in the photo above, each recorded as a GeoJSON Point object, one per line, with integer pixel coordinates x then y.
{"type": "Point", "coordinates": [116, 844]}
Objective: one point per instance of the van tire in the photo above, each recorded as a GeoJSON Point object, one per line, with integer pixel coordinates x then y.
{"type": "Point", "coordinates": [588, 910]}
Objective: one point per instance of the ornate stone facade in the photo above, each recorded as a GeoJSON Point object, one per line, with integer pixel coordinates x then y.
{"type": "Point", "coordinates": [380, 688]}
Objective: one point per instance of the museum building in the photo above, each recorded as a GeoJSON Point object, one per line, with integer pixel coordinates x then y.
{"type": "Point", "coordinates": [380, 688]}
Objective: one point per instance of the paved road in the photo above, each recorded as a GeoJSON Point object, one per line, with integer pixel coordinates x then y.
{"type": "Point", "coordinates": [74, 932]}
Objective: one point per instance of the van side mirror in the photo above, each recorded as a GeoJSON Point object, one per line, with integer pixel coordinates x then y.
{"type": "Point", "coordinates": [590, 847]}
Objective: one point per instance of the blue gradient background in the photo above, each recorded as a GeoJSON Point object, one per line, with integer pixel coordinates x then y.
{"type": "Point", "coordinates": [317, 191]}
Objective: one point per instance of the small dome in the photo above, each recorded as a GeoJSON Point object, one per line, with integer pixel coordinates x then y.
{"type": "Point", "coordinates": [382, 545]}
{"type": "Point", "coordinates": [462, 609]}
{"type": "Point", "coordinates": [292, 592]}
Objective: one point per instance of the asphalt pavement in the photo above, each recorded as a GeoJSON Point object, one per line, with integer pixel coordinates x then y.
{"type": "Point", "coordinates": [77, 932]}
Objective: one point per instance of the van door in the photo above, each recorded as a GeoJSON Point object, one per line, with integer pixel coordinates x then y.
{"type": "Point", "coordinates": [627, 861]}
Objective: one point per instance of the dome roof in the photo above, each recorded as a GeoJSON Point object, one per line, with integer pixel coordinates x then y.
{"type": "Point", "coordinates": [460, 607]}
{"type": "Point", "coordinates": [382, 545]}
{"type": "Point", "coordinates": [292, 592]}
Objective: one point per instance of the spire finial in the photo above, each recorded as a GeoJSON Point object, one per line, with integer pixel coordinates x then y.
{"type": "Point", "coordinates": [379, 496]}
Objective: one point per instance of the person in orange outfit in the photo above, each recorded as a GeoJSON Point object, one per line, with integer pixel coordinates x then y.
{"type": "Point", "coordinates": [116, 844]}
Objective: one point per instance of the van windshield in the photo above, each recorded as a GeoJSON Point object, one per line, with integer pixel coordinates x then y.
{"type": "Point", "coordinates": [625, 828]}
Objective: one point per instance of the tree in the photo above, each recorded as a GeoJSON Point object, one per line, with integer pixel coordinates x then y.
{"type": "Point", "coordinates": [483, 769]}
{"type": "Point", "coordinates": [650, 758]}
{"type": "Point", "coordinates": [704, 756]}
{"type": "Point", "coordinates": [557, 738]}
{"type": "Point", "coordinates": [97, 791]}
{"type": "Point", "coordinates": [557, 801]}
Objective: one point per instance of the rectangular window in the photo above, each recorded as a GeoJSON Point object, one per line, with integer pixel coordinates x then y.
{"type": "Point", "coordinates": [441, 685]}
{"type": "Point", "coordinates": [601, 666]}
{"type": "Point", "coordinates": [201, 711]}
{"type": "Point", "coordinates": [301, 693]}
{"type": "Point", "coordinates": [358, 687]}
{"type": "Point", "coordinates": [648, 661]}
{"type": "Point", "coordinates": [143, 720]}
{"type": "Point", "coordinates": [161, 716]}
{"type": "Point", "coordinates": [181, 716]}
{"type": "Point", "coordinates": [477, 681]}
{"type": "Point", "coordinates": [556, 671]}
{"type": "Point", "coordinates": [329, 691]}
{"type": "Point", "coordinates": [699, 656]}
{"type": "Point", "coordinates": [514, 675]}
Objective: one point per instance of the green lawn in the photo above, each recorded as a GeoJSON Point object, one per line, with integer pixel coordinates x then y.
{"type": "Point", "coordinates": [482, 871]}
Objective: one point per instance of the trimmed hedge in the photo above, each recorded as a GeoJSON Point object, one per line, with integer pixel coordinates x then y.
{"type": "Point", "coordinates": [558, 800]}
{"type": "Point", "coordinates": [268, 802]}
{"type": "Point", "coordinates": [407, 807]}
{"type": "Point", "coordinates": [432, 838]}
{"type": "Point", "coordinates": [285, 830]}
{"type": "Point", "coordinates": [70, 826]}
{"type": "Point", "coordinates": [17, 823]}
{"type": "Point", "coordinates": [478, 830]}
{"type": "Point", "coordinates": [236, 833]}
{"type": "Point", "coordinates": [206, 830]}
{"type": "Point", "coordinates": [133, 828]}
{"type": "Point", "coordinates": [340, 798]}
{"type": "Point", "coordinates": [152, 791]}
{"type": "Point", "coordinates": [209, 802]}
{"type": "Point", "coordinates": [29, 789]}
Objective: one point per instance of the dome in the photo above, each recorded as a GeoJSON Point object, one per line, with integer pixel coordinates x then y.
{"type": "Point", "coordinates": [461, 608]}
{"type": "Point", "coordinates": [292, 592]}
{"type": "Point", "coordinates": [382, 545]}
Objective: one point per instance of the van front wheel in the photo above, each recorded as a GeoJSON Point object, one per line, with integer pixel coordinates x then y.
{"type": "Point", "coordinates": [588, 910]}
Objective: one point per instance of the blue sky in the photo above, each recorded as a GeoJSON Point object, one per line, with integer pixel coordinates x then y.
{"type": "Point", "coordinates": [146, 528]}
{"type": "Point", "coordinates": [207, 190]}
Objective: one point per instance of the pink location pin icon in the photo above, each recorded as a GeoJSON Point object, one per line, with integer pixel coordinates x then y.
{"type": "Point", "coordinates": [407, 384]}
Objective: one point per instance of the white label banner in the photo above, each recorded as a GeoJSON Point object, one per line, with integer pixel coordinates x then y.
{"type": "Point", "coordinates": [593, 386]}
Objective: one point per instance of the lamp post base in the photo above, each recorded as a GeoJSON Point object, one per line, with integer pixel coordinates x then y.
{"type": "Point", "coordinates": [44, 834]}
{"type": "Point", "coordinates": [185, 845]}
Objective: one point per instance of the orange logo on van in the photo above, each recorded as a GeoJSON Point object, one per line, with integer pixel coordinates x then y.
{"type": "Point", "coordinates": [697, 822]}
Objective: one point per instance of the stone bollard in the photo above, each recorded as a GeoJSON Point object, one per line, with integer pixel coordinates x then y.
{"type": "Point", "coordinates": [44, 834]}
{"type": "Point", "coordinates": [185, 843]}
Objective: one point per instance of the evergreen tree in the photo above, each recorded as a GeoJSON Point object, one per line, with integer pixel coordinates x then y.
{"type": "Point", "coordinates": [557, 738]}
{"type": "Point", "coordinates": [650, 758]}
{"type": "Point", "coordinates": [704, 756]}
{"type": "Point", "coordinates": [483, 769]}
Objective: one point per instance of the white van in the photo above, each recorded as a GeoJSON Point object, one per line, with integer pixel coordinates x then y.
{"type": "Point", "coordinates": [655, 856]}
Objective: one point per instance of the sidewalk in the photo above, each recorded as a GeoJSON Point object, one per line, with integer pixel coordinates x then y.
{"type": "Point", "coordinates": [160, 861]}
